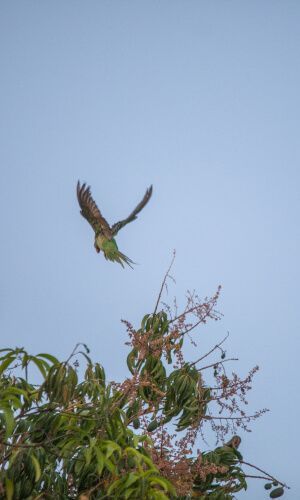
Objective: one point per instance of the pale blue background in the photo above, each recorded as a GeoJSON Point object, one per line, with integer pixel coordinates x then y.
{"type": "Point", "coordinates": [200, 98]}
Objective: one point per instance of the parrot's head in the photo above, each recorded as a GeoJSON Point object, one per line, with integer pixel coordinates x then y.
{"type": "Point", "coordinates": [96, 247]}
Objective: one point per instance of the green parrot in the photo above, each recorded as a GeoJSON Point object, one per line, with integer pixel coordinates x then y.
{"type": "Point", "coordinates": [104, 233]}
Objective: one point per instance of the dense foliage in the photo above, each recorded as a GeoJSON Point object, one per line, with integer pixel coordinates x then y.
{"type": "Point", "coordinates": [74, 435]}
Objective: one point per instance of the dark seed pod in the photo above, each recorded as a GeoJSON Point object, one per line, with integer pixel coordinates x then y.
{"type": "Point", "coordinates": [278, 492]}
{"type": "Point", "coordinates": [152, 426]}
{"type": "Point", "coordinates": [136, 423]}
{"type": "Point", "coordinates": [268, 486]}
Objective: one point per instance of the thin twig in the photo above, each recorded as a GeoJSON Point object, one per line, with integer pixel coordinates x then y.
{"type": "Point", "coordinates": [164, 282]}
{"type": "Point", "coordinates": [72, 353]}
{"type": "Point", "coordinates": [266, 478]}
{"type": "Point", "coordinates": [243, 417]}
{"type": "Point", "coordinates": [212, 350]}
{"type": "Point", "coordinates": [217, 363]}
{"type": "Point", "coordinates": [266, 473]}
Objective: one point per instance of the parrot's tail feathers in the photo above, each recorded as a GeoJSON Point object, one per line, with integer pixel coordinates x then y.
{"type": "Point", "coordinates": [123, 258]}
{"type": "Point", "coordinates": [117, 256]}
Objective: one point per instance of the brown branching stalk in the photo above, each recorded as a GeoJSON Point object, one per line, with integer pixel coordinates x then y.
{"type": "Point", "coordinates": [221, 406]}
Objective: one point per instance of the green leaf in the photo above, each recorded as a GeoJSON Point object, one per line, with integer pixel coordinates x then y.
{"type": "Point", "coordinates": [5, 364]}
{"type": "Point", "coordinates": [13, 401]}
{"type": "Point", "coordinates": [166, 485]}
{"type": "Point", "coordinates": [159, 495]}
{"type": "Point", "coordinates": [51, 358]}
{"type": "Point", "coordinates": [9, 488]}
{"type": "Point", "coordinates": [144, 320]}
{"type": "Point", "coordinates": [37, 468]}
{"type": "Point", "coordinates": [131, 451]}
{"type": "Point", "coordinates": [110, 466]}
{"type": "Point", "coordinates": [41, 366]}
{"type": "Point", "coordinates": [131, 360]}
{"type": "Point", "coordinates": [127, 494]}
{"type": "Point", "coordinates": [9, 420]}
{"type": "Point", "coordinates": [114, 486]}
{"type": "Point", "coordinates": [86, 357]}
{"type": "Point", "coordinates": [86, 348]}
{"type": "Point", "coordinates": [18, 391]}
{"type": "Point", "coordinates": [100, 460]}
{"type": "Point", "coordinates": [111, 447]}
{"type": "Point", "coordinates": [88, 455]}
{"type": "Point", "coordinates": [132, 478]}
{"type": "Point", "coordinates": [25, 360]}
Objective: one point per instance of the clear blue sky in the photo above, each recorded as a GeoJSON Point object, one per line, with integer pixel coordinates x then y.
{"type": "Point", "coordinates": [199, 98]}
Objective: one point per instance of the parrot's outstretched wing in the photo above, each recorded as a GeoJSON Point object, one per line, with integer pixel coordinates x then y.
{"type": "Point", "coordinates": [118, 225]}
{"type": "Point", "coordinates": [91, 212]}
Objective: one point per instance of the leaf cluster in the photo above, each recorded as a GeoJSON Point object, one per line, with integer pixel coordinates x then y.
{"type": "Point", "coordinates": [66, 439]}
{"type": "Point", "coordinates": [75, 435]}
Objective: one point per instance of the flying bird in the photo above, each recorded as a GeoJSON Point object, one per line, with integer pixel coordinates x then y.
{"type": "Point", "coordinates": [104, 233]}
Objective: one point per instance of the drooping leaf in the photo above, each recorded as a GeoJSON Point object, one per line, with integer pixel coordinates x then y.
{"type": "Point", "coordinates": [5, 364]}
{"type": "Point", "coordinates": [36, 467]}
{"type": "Point", "coordinates": [9, 488]}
